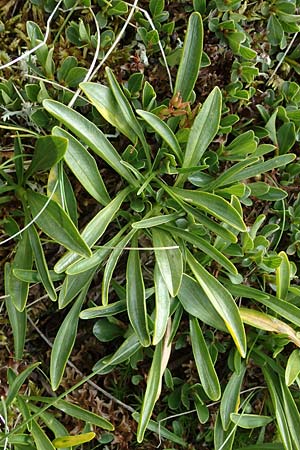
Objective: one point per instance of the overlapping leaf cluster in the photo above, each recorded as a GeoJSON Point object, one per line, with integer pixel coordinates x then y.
{"type": "Point", "coordinates": [181, 198]}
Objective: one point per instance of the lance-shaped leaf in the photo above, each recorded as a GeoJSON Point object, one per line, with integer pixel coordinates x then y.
{"type": "Point", "coordinates": [157, 428]}
{"type": "Point", "coordinates": [250, 421]}
{"type": "Point", "coordinates": [283, 276]}
{"type": "Point", "coordinates": [231, 397]}
{"type": "Point", "coordinates": [72, 286]}
{"type": "Point", "coordinates": [204, 364]}
{"type": "Point", "coordinates": [169, 260]}
{"type": "Point", "coordinates": [17, 383]}
{"type": "Point", "coordinates": [285, 309]}
{"type": "Point", "coordinates": [48, 151]}
{"type": "Point", "coordinates": [72, 441]}
{"type": "Point", "coordinates": [135, 296]}
{"type": "Point", "coordinates": [84, 167]}
{"type": "Point", "coordinates": [90, 135]}
{"type": "Point", "coordinates": [17, 319]}
{"type": "Point", "coordinates": [41, 440]}
{"type": "Point", "coordinates": [189, 66]}
{"type": "Point", "coordinates": [97, 258]}
{"type": "Point", "coordinates": [195, 302]}
{"type": "Point", "coordinates": [162, 306]}
{"type": "Point", "coordinates": [152, 392]}
{"type": "Point", "coordinates": [104, 311]}
{"type": "Point", "coordinates": [293, 367]}
{"type": "Point", "coordinates": [17, 289]}
{"type": "Point", "coordinates": [126, 109]}
{"type": "Point", "coordinates": [280, 413]}
{"type": "Point", "coordinates": [222, 301]}
{"type": "Point", "coordinates": [259, 168]}
{"type": "Point", "coordinates": [104, 101]}
{"type": "Point", "coordinates": [163, 130]}
{"type": "Point", "coordinates": [130, 346]}
{"type": "Point", "coordinates": [212, 204]}
{"type": "Point", "coordinates": [41, 263]}
{"type": "Point", "coordinates": [94, 229]}
{"type": "Point", "coordinates": [291, 413]}
{"type": "Point", "coordinates": [56, 223]}
{"type": "Point", "coordinates": [266, 322]}
{"type": "Point", "coordinates": [64, 342]}
{"type": "Point", "coordinates": [203, 131]}
{"type": "Point", "coordinates": [50, 421]}
{"type": "Point", "coordinates": [83, 414]}
{"type": "Point", "coordinates": [204, 246]}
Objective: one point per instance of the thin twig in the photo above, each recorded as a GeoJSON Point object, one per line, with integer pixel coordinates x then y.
{"type": "Point", "coordinates": [119, 37]}
{"type": "Point", "coordinates": [34, 49]}
{"type": "Point", "coordinates": [33, 220]}
{"type": "Point", "coordinates": [282, 59]}
{"type": "Point", "coordinates": [92, 66]}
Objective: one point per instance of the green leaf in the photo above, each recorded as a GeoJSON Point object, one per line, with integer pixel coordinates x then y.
{"type": "Point", "coordinates": [71, 441]}
{"type": "Point", "coordinates": [18, 382]}
{"type": "Point", "coordinates": [250, 421]}
{"type": "Point", "coordinates": [291, 413]}
{"type": "Point", "coordinates": [17, 319]}
{"type": "Point", "coordinates": [83, 414]}
{"type": "Point", "coordinates": [94, 229]}
{"type": "Point", "coordinates": [222, 301]}
{"type": "Point", "coordinates": [292, 369]}
{"type": "Point", "coordinates": [189, 66]}
{"type": "Point", "coordinates": [41, 263]}
{"type": "Point", "coordinates": [204, 246]}
{"type": "Point", "coordinates": [169, 261]}
{"type": "Point", "coordinates": [230, 175]}
{"type": "Point", "coordinates": [163, 130]}
{"type": "Point", "coordinates": [162, 431]}
{"type": "Point", "coordinates": [274, 30]}
{"type": "Point", "coordinates": [126, 109]}
{"type": "Point", "coordinates": [283, 276]}
{"type": "Point", "coordinates": [152, 392]}
{"type": "Point", "coordinates": [103, 311]}
{"type": "Point", "coordinates": [284, 309]}
{"type": "Point", "coordinates": [209, 223]}
{"type": "Point", "coordinates": [223, 439]}
{"type": "Point", "coordinates": [129, 347]}
{"type": "Point", "coordinates": [162, 306]}
{"type": "Point", "coordinates": [155, 221]}
{"type": "Point", "coordinates": [72, 286]}
{"type": "Point", "coordinates": [48, 151]}
{"type": "Point", "coordinates": [41, 440]}
{"type": "Point", "coordinates": [33, 276]}
{"type": "Point", "coordinates": [90, 135]}
{"type": "Point", "coordinates": [104, 101]}
{"type": "Point", "coordinates": [231, 397]}
{"type": "Point", "coordinates": [204, 364]}
{"type": "Point", "coordinates": [97, 257]}
{"type": "Point", "coordinates": [135, 296]}
{"type": "Point", "coordinates": [84, 167]}
{"type": "Point", "coordinates": [111, 264]}
{"type": "Point", "coordinates": [212, 204]}
{"type": "Point", "coordinates": [64, 342]}
{"type": "Point", "coordinates": [261, 167]}
{"type": "Point", "coordinates": [105, 330]}
{"type": "Point", "coordinates": [203, 131]}
{"type": "Point", "coordinates": [55, 223]}
{"type": "Point", "coordinates": [195, 302]}
{"type": "Point", "coordinates": [17, 289]}
{"type": "Point", "coordinates": [282, 423]}
{"type": "Point", "coordinates": [50, 421]}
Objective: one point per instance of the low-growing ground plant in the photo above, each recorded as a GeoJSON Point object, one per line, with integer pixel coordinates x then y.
{"type": "Point", "coordinates": [190, 245]}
